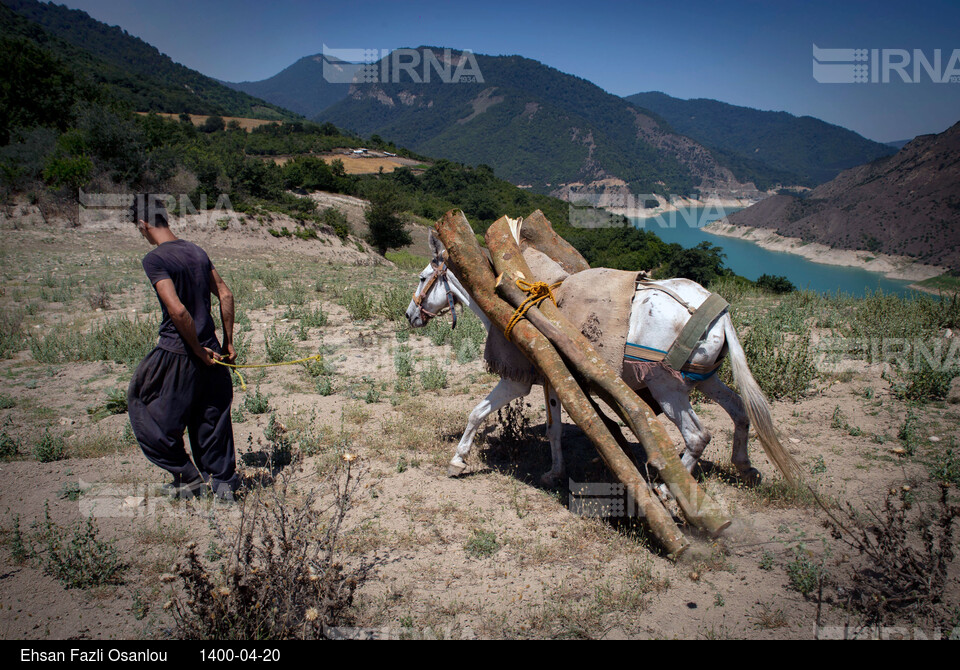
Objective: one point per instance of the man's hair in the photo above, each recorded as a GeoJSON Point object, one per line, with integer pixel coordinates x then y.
{"type": "Point", "coordinates": [151, 208]}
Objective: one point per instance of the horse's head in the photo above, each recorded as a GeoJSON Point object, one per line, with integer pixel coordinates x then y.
{"type": "Point", "coordinates": [434, 293]}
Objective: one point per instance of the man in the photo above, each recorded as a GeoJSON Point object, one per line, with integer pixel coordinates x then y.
{"type": "Point", "coordinates": [179, 385]}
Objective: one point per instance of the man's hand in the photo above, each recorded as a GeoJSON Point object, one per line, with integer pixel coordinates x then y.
{"type": "Point", "coordinates": [209, 357]}
{"type": "Point", "coordinates": [231, 355]}
{"type": "Point", "coordinates": [182, 320]}
{"type": "Point", "coordinates": [220, 289]}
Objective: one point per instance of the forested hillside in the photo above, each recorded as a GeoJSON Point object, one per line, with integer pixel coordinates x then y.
{"type": "Point", "coordinates": [535, 125]}
{"type": "Point", "coordinates": [133, 71]}
{"type": "Point", "coordinates": [765, 146]}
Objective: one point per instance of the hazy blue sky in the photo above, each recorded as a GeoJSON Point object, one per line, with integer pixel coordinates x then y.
{"type": "Point", "coordinates": [745, 52]}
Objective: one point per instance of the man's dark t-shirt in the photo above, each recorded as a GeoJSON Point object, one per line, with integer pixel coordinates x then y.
{"type": "Point", "coordinates": [188, 266]}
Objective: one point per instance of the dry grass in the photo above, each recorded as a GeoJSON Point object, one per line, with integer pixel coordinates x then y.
{"type": "Point", "coordinates": [199, 119]}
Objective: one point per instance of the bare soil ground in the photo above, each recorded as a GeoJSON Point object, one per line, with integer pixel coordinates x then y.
{"type": "Point", "coordinates": [491, 554]}
{"type": "Point", "coordinates": [247, 124]}
{"type": "Point", "coordinates": [352, 164]}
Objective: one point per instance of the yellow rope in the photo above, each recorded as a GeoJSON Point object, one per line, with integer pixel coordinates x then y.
{"type": "Point", "coordinates": [538, 292]}
{"type": "Point", "coordinates": [243, 385]}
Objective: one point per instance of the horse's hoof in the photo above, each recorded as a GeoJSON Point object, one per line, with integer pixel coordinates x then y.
{"type": "Point", "coordinates": [750, 476]}
{"type": "Point", "coordinates": [454, 470]}
{"type": "Point", "coordinates": [551, 480]}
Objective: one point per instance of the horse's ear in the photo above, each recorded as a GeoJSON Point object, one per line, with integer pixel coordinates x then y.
{"type": "Point", "coordinates": [436, 246]}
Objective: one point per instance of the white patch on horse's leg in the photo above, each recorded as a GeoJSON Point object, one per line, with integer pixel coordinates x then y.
{"type": "Point", "coordinates": [733, 405]}
{"type": "Point", "coordinates": [554, 430]}
{"type": "Point", "coordinates": [505, 391]}
{"type": "Point", "coordinates": [673, 397]}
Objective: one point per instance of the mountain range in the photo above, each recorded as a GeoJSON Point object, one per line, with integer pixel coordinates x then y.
{"type": "Point", "coordinates": [907, 204]}
{"type": "Point", "coordinates": [798, 150]}
{"type": "Point", "coordinates": [524, 111]}
{"type": "Point", "coordinates": [536, 126]}
{"type": "Point", "coordinates": [301, 88]}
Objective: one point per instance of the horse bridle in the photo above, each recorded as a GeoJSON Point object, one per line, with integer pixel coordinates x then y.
{"type": "Point", "coordinates": [439, 272]}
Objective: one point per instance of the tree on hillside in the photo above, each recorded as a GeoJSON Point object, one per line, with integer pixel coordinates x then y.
{"type": "Point", "coordinates": [702, 263]}
{"type": "Point", "coordinates": [775, 283]}
{"type": "Point", "coordinates": [37, 89]}
{"type": "Point", "coordinates": [213, 124]}
{"type": "Point", "coordinates": [386, 228]}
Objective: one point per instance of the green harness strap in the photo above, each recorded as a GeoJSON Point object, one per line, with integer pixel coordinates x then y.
{"type": "Point", "coordinates": [693, 330]}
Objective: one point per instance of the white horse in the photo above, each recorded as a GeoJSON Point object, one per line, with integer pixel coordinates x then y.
{"type": "Point", "coordinates": [655, 321]}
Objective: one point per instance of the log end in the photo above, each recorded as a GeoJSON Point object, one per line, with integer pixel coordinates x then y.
{"type": "Point", "coordinates": [718, 530]}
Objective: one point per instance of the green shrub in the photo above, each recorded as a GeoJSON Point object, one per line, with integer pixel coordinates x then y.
{"type": "Point", "coordinates": [118, 339]}
{"type": "Point", "coordinates": [433, 378]}
{"type": "Point", "coordinates": [77, 558]}
{"type": "Point", "coordinates": [467, 339]}
{"type": "Point", "coordinates": [116, 401]}
{"type": "Point", "coordinates": [923, 383]}
{"type": "Point", "coordinates": [12, 337]}
{"type": "Point", "coordinates": [783, 367]}
{"type": "Point", "coordinates": [359, 304]}
{"type": "Point", "coordinates": [482, 544]}
{"type": "Point", "coordinates": [49, 448]}
{"type": "Point", "coordinates": [775, 284]}
{"type": "Point", "coordinates": [946, 465]}
{"type": "Point", "coordinates": [280, 346]}
{"type": "Point", "coordinates": [9, 446]}
{"type": "Point", "coordinates": [295, 294]}
{"type": "Point", "coordinates": [72, 171]}
{"type": "Point", "coordinates": [70, 491]}
{"type": "Point", "coordinates": [393, 303]}
{"type": "Point", "coordinates": [256, 403]}
{"type": "Point", "coordinates": [316, 368]}
{"type": "Point", "coordinates": [271, 279]}
{"type": "Point", "coordinates": [805, 574]}
{"type": "Point", "coordinates": [403, 362]}
{"type": "Point", "coordinates": [337, 220]}
{"type": "Point", "coordinates": [315, 318]}
{"type": "Point", "coordinates": [306, 233]}
{"type": "Point", "coordinates": [909, 433]}
{"type": "Point", "coordinates": [405, 260]}
{"type": "Point", "coordinates": [373, 394]}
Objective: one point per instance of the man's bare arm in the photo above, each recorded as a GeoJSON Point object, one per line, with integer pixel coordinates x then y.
{"type": "Point", "coordinates": [220, 289]}
{"type": "Point", "coordinates": [182, 320]}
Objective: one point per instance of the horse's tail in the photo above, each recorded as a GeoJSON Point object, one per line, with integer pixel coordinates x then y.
{"type": "Point", "coordinates": [758, 410]}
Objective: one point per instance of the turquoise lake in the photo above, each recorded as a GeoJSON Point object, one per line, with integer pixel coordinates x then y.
{"type": "Point", "coordinates": [750, 260]}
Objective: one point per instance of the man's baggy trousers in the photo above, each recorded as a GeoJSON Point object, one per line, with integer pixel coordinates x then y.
{"type": "Point", "coordinates": [170, 392]}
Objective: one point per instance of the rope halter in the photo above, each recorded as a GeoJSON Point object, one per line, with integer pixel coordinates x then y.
{"type": "Point", "coordinates": [439, 273]}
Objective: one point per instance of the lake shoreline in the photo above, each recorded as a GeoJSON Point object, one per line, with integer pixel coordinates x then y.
{"type": "Point", "coordinates": [892, 267]}
{"type": "Point", "coordinates": [682, 206]}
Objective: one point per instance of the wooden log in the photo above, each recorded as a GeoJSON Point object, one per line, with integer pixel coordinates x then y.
{"type": "Point", "coordinates": [585, 361]}
{"type": "Point", "coordinates": [474, 272]}
{"type": "Point", "coordinates": [537, 231]}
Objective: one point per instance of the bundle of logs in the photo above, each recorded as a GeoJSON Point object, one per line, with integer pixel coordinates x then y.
{"type": "Point", "coordinates": [571, 364]}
